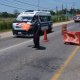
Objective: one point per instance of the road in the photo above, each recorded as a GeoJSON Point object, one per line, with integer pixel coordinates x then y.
{"type": "Point", "coordinates": [20, 61]}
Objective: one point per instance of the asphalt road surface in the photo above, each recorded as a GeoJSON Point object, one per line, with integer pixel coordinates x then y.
{"type": "Point", "coordinates": [20, 61]}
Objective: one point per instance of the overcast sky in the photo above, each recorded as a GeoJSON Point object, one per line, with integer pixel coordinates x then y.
{"type": "Point", "coordinates": [23, 5]}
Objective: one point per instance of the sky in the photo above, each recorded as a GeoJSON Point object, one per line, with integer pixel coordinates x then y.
{"type": "Point", "coordinates": [23, 5]}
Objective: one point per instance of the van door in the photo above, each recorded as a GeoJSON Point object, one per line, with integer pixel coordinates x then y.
{"type": "Point", "coordinates": [45, 22]}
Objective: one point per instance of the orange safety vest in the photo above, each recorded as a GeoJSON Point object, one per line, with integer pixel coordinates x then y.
{"type": "Point", "coordinates": [26, 26]}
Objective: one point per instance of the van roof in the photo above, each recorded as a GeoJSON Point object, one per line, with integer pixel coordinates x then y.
{"type": "Point", "coordinates": [32, 13]}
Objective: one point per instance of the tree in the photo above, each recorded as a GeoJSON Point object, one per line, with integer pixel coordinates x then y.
{"type": "Point", "coordinates": [72, 11]}
{"type": "Point", "coordinates": [16, 12]}
{"type": "Point", "coordinates": [64, 11]}
{"type": "Point", "coordinates": [4, 14]}
{"type": "Point", "coordinates": [52, 12]}
{"type": "Point", "coordinates": [78, 11]}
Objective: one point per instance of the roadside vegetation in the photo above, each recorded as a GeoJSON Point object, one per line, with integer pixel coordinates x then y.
{"type": "Point", "coordinates": [6, 19]}
{"type": "Point", "coordinates": [59, 18]}
{"type": "Point", "coordinates": [5, 24]}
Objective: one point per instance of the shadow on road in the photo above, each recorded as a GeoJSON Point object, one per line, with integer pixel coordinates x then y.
{"type": "Point", "coordinates": [71, 44]}
{"type": "Point", "coordinates": [40, 48]}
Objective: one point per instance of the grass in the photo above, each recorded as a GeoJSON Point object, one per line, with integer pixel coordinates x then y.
{"type": "Point", "coordinates": [5, 30]}
{"type": "Point", "coordinates": [6, 19]}
{"type": "Point", "coordinates": [59, 18]}
{"type": "Point", "coordinates": [5, 24]}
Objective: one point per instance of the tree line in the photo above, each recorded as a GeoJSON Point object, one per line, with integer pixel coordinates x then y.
{"type": "Point", "coordinates": [6, 19]}
{"type": "Point", "coordinates": [9, 15]}
{"type": "Point", "coordinates": [65, 11]}
{"type": "Point", "coordinates": [57, 12]}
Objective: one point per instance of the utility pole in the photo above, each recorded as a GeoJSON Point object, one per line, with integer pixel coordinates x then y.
{"type": "Point", "coordinates": [62, 9]}
{"type": "Point", "coordinates": [38, 4]}
{"type": "Point", "coordinates": [57, 12]}
{"type": "Point", "coordinates": [73, 7]}
{"type": "Point", "coordinates": [62, 6]}
{"type": "Point", "coordinates": [66, 13]}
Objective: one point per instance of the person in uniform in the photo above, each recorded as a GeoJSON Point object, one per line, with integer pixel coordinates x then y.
{"type": "Point", "coordinates": [36, 33]}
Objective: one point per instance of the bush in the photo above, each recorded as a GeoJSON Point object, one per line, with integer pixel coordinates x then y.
{"type": "Point", "coordinates": [54, 18]}
{"type": "Point", "coordinates": [59, 18]}
{"type": "Point", "coordinates": [5, 24]}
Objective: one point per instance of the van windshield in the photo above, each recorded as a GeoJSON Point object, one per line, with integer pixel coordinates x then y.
{"type": "Point", "coordinates": [24, 18]}
{"type": "Point", "coordinates": [27, 18]}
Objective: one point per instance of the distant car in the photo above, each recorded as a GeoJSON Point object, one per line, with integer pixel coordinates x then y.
{"type": "Point", "coordinates": [76, 18]}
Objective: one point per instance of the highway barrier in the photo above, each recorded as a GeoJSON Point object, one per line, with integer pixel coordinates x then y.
{"type": "Point", "coordinates": [71, 37]}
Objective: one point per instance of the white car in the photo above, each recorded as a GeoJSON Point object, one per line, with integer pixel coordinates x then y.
{"type": "Point", "coordinates": [77, 18]}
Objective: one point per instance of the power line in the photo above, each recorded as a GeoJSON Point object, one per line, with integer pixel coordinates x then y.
{"type": "Point", "coordinates": [30, 4]}
{"type": "Point", "coordinates": [25, 3]}
{"type": "Point", "coordinates": [6, 4]}
{"type": "Point", "coordinates": [15, 2]}
{"type": "Point", "coordinates": [20, 2]}
{"type": "Point", "coordinates": [12, 6]}
{"type": "Point", "coordinates": [9, 2]}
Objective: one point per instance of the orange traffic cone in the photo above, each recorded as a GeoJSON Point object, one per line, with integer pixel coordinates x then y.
{"type": "Point", "coordinates": [45, 36]}
{"type": "Point", "coordinates": [64, 28]}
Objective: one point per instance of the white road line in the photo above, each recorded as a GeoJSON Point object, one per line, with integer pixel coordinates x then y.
{"type": "Point", "coordinates": [15, 45]}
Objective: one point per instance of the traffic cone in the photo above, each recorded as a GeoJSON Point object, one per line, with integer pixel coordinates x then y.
{"type": "Point", "coordinates": [64, 28]}
{"type": "Point", "coordinates": [45, 36]}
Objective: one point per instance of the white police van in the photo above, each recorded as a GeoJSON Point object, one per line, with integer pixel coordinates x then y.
{"type": "Point", "coordinates": [29, 17]}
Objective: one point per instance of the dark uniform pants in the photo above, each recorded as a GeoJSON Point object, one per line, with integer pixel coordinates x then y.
{"type": "Point", "coordinates": [36, 39]}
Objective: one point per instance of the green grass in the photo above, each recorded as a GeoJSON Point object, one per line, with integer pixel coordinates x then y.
{"type": "Point", "coordinates": [7, 19]}
{"type": "Point", "coordinates": [5, 30]}
{"type": "Point", "coordinates": [5, 24]}
{"type": "Point", "coordinates": [59, 18]}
